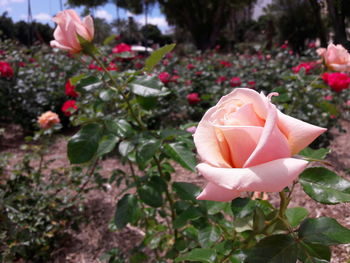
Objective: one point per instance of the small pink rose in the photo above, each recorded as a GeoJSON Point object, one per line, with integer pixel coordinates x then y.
{"type": "Point", "coordinates": [69, 25]}
{"type": "Point", "coordinates": [335, 57]}
{"type": "Point", "coordinates": [48, 119]}
{"type": "Point", "coordinates": [191, 129]}
{"type": "Point", "coordinates": [246, 144]}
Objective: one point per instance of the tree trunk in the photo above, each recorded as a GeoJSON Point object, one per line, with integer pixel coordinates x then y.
{"type": "Point", "coordinates": [338, 24]}
{"type": "Point", "coordinates": [322, 34]}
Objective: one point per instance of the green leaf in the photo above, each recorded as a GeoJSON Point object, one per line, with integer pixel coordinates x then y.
{"type": "Point", "coordinates": [83, 146]}
{"type": "Point", "coordinates": [186, 191]}
{"type": "Point", "coordinates": [125, 147]}
{"type": "Point", "coordinates": [146, 151]}
{"type": "Point", "coordinates": [258, 220]}
{"type": "Point", "coordinates": [74, 80]}
{"type": "Point", "coordinates": [296, 214]}
{"type": "Point", "coordinates": [313, 253]}
{"type": "Point", "coordinates": [88, 83]}
{"type": "Point", "coordinates": [138, 257]}
{"type": "Point", "coordinates": [121, 127]}
{"type": "Point", "coordinates": [204, 255]}
{"type": "Point", "coordinates": [329, 107]}
{"type": "Point", "coordinates": [318, 154]}
{"type": "Point", "coordinates": [325, 186]}
{"type": "Point", "coordinates": [150, 194]}
{"type": "Point", "coordinates": [107, 144]}
{"type": "Point", "coordinates": [274, 249]}
{"type": "Point", "coordinates": [148, 86]}
{"type": "Point", "coordinates": [217, 207]}
{"type": "Point", "coordinates": [126, 211]}
{"type": "Point", "coordinates": [191, 213]}
{"type": "Point", "coordinates": [208, 236]}
{"type": "Point", "coordinates": [323, 230]}
{"type": "Point", "coordinates": [242, 207]}
{"type": "Point", "coordinates": [181, 154]}
{"type": "Point", "coordinates": [147, 103]}
{"type": "Point", "coordinates": [156, 56]}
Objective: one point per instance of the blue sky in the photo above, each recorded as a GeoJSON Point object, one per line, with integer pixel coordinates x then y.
{"type": "Point", "coordinates": [43, 10]}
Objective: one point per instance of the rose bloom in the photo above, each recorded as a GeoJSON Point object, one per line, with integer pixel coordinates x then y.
{"type": "Point", "coordinates": [164, 77]}
{"type": "Point", "coordinates": [246, 144]}
{"type": "Point", "coordinates": [307, 67]}
{"type": "Point", "coordinates": [191, 129]}
{"type": "Point", "coordinates": [335, 57]}
{"type": "Point", "coordinates": [328, 97]}
{"type": "Point", "coordinates": [193, 98]}
{"type": "Point", "coordinates": [48, 119]}
{"type": "Point", "coordinates": [251, 84]}
{"type": "Point", "coordinates": [348, 103]}
{"type": "Point", "coordinates": [68, 106]}
{"type": "Point", "coordinates": [337, 81]}
{"type": "Point", "coordinates": [175, 78]}
{"type": "Point", "coordinates": [6, 70]}
{"type": "Point", "coordinates": [69, 25]}
{"type": "Point", "coordinates": [120, 48]}
{"type": "Point", "coordinates": [220, 79]}
{"type": "Point", "coordinates": [70, 90]}
{"type": "Point", "coordinates": [235, 82]}
{"type": "Point", "coordinates": [226, 64]}
{"type": "Point", "coordinates": [190, 66]}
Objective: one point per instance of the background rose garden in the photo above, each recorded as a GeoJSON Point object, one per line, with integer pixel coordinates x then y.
{"type": "Point", "coordinates": [145, 124]}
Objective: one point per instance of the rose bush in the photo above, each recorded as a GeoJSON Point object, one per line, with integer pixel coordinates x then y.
{"type": "Point", "coordinates": [246, 144]}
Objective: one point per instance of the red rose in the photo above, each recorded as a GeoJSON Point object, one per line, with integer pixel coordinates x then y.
{"type": "Point", "coordinates": [199, 73]}
{"type": "Point", "coordinates": [164, 77]}
{"type": "Point", "coordinates": [251, 84]}
{"type": "Point", "coordinates": [220, 79]}
{"type": "Point", "coordinates": [68, 106]}
{"type": "Point", "coordinates": [190, 66]}
{"type": "Point", "coordinates": [284, 46]}
{"type": "Point", "coordinates": [193, 98]}
{"type": "Point", "coordinates": [307, 66]}
{"type": "Point", "coordinates": [235, 82]}
{"type": "Point", "coordinates": [6, 70]}
{"type": "Point", "coordinates": [120, 48]}
{"type": "Point", "coordinates": [174, 78]}
{"type": "Point", "coordinates": [112, 66]}
{"type": "Point", "coordinates": [70, 90]}
{"type": "Point", "coordinates": [337, 81]}
{"type": "Point", "coordinates": [138, 65]}
{"type": "Point", "coordinates": [21, 64]}
{"type": "Point", "coordinates": [226, 64]}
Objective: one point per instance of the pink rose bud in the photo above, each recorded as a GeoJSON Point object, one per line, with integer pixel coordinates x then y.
{"type": "Point", "coordinates": [246, 144]}
{"type": "Point", "coordinates": [69, 25]}
{"type": "Point", "coordinates": [48, 119]}
{"type": "Point", "coordinates": [191, 129]}
{"type": "Point", "coordinates": [335, 57]}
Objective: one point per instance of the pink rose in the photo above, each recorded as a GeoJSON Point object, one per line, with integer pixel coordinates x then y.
{"type": "Point", "coordinates": [69, 25]}
{"type": "Point", "coordinates": [235, 82]}
{"type": "Point", "coordinates": [246, 144]}
{"type": "Point", "coordinates": [335, 57]}
{"type": "Point", "coordinates": [164, 77]}
{"type": "Point", "coordinates": [48, 119]}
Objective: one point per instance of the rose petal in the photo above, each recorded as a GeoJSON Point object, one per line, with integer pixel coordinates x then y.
{"type": "Point", "coordinates": [268, 177]}
{"type": "Point", "coordinates": [272, 144]}
{"type": "Point", "coordinates": [242, 141]}
{"type": "Point", "coordinates": [299, 134]}
{"type": "Point", "coordinates": [213, 192]}
{"type": "Point", "coordinates": [248, 96]}
{"type": "Point", "coordinates": [211, 149]}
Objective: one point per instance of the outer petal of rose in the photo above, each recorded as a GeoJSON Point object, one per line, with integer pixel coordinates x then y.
{"type": "Point", "coordinates": [248, 96]}
{"type": "Point", "coordinates": [213, 192]}
{"type": "Point", "coordinates": [272, 144]}
{"type": "Point", "coordinates": [241, 149]}
{"type": "Point", "coordinates": [299, 134]}
{"type": "Point", "coordinates": [338, 67]}
{"type": "Point", "coordinates": [55, 44]}
{"type": "Point", "coordinates": [207, 143]}
{"type": "Point", "coordinates": [268, 177]}
{"type": "Point", "coordinates": [89, 25]}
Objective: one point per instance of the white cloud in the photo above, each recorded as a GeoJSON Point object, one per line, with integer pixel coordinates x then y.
{"type": "Point", "coordinates": [103, 14]}
{"type": "Point", "coordinates": [42, 16]}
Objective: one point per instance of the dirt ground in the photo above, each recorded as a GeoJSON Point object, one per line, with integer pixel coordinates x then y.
{"type": "Point", "coordinates": [94, 238]}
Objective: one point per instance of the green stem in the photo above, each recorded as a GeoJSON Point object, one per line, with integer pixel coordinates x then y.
{"type": "Point", "coordinates": [168, 196]}
{"type": "Point", "coordinates": [119, 89]}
